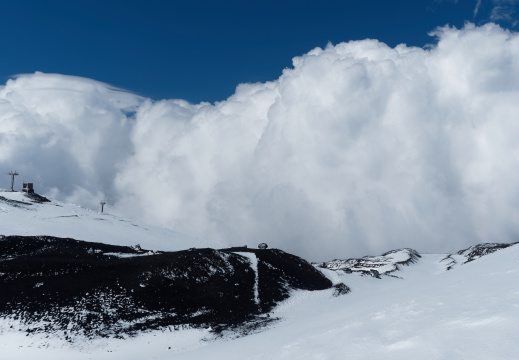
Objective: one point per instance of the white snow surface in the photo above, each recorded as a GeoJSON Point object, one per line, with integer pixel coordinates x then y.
{"type": "Point", "coordinates": [68, 220]}
{"type": "Point", "coordinates": [468, 312]}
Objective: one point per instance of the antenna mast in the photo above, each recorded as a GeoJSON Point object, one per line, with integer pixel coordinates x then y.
{"type": "Point", "coordinates": [13, 174]}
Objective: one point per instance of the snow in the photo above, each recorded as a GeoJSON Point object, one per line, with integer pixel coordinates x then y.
{"type": "Point", "coordinates": [123, 255]}
{"type": "Point", "coordinates": [470, 312]}
{"type": "Point", "coordinates": [155, 345]}
{"type": "Point", "coordinates": [424, 312]}
{"type": "Point", "coordinates": [67, 220]}
{"type": "Point", "coordinates": [383, 264]}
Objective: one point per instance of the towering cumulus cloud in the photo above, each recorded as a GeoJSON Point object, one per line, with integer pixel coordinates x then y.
{"type": "Point", "coordinates": [66, 134]}
{"type": "Point", "coordinates": [359, 148]}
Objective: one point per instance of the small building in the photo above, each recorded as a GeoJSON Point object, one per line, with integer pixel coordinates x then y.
{"type": "Point", "coordinates": [28, 188]}
{"type": "Point", "coordinates": [263, 246]}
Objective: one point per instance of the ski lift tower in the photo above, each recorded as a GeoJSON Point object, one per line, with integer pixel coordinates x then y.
{"type": "Point", "coordinates": [103, 203]}
{"type": "Point", "coordinates": [13, 174]}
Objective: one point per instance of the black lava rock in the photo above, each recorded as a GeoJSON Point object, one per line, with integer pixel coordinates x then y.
{"type": "Point", "coordinates": [74, 287]}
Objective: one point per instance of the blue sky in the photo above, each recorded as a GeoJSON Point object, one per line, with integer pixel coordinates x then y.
{"type": "Point", "coordinates": [199, 50]}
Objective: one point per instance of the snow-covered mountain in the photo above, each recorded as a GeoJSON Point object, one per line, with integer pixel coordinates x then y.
{"type": "Point", "coordinates": [23, 214]}
{"type": "Point", "coordinates": [75, 285]}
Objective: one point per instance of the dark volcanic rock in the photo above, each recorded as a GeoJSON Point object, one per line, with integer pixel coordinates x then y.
{"type": "Point", "coordinates": [37, 198]}
{"type": "Point", "coordinates": [474, 252]}
{"type": "Point", "coordinates": [374, 266]}
{"type": "Point", "coordinates": [32, 197]}
{"type": "Point", "coordinates": [92, 289]}
{"type": "Point", "coordinates": [14, 203]}
{"type": "Point", "coordinates": [278, 272]}
{"type": "Point", "coordinates": [341, 289]}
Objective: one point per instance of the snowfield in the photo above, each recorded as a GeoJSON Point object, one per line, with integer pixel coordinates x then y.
{"type": "Point", "coordinates": [19, 215]}
{"type": "Point", "coordinates": [420, 310]}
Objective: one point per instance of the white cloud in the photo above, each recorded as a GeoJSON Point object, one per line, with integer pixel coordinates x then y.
{"type": "Point", "coordinates": [476, 8]}
{"type": "Point", "coordinates": [357, 149]}
{"type": "Point", "coordinates": [504, 11]}
{"type": "Point", "coordinates": [65, 132]}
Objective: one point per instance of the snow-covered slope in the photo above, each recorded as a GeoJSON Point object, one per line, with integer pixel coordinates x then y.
{"type": "Point", "coordinates": [472, 253]}
{"type": "Point", "coordinates": [21, 215]}
{"type": "Point", "coordinates": [469, 312]}
{"type": "Point", "coordinates": [437, 306]}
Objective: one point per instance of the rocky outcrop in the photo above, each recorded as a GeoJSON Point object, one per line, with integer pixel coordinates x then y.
{"type": "Point", "coordinates": [472, 253]}
{"type": "Point", "coordinates": [374, 265]}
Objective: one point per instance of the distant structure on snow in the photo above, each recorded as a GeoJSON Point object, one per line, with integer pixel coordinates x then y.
{"type": "Point", "coordinates": [13, 174]}
{"type": "Point", "coordinates": [28, 188]}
